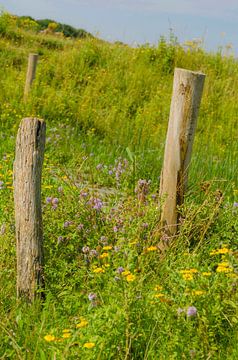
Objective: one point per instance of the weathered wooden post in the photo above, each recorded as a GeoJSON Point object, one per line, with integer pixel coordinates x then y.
{"type": "Point", "coordinates": [28, 215]}
{"type": "Point", "coordinates": [31, 72]}
{"type": "Point", "coordinates": [186, 98]}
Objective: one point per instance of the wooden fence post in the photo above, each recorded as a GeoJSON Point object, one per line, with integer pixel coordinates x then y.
{"type": "Point", "coordinates": [31, 72]}
{"type": "Point", "coordinates": [186, 98]}
{"type": "Point", "coordinates": [28, 215]}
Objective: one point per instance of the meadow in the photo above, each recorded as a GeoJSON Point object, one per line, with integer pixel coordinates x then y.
{"type": "Point", "coordinates": [111, 293]}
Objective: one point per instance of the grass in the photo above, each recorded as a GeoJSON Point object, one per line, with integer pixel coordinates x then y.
{"type": "Point", "coordinates": [110, 292]}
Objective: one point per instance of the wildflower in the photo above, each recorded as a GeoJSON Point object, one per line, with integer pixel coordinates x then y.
{"type": "Point", "coordinates": [67, 224]}
{"type": "Point", "coordinates": [98, 270]}
{"type": "Point", "coordinates": [224, 250]}
{"type": "Point", "coordinates": [99, 166]}
{"type": "Point", "coordinates": [89, 345]}
{"type": "Point", "coordinates": [126, 272]}
{"type": "Point", "coordinates": [83, 323]}
{"type": "Point", "coordinates": [48, 200]}
{"type": "Point", "coordinates": [206, 273]}
{"type": "Point", "coordinates": [224, 267]}
{"type": "Point", "coordinates": [93, 252]}
{"type": "Point", "coordinates": [1, 185]}
{"type": "Point", "coordinates": [191, 311]}
{"type": "Point", "coordinates": [66, 335]}
{"type": "Point", "coordinates": [109, 247]}
{"type": "Point", "coordinates": [198, 292]}
{"type": "Point", "coordinates": [235, 204]}
{"type": "Point", "coordinates": [92, 296]}
{"type": "Point", "coordinates": [120, 270]}
{"type": "Point", "coordinates": [187, 276]}
{"type": "Point", "coordinates": [151, 248]}
{"type": "Point", "coordinates": [158, 288]}
{"type": "Point", "coordinates": [159, 295]}
{"type": "Point", "coordinates": [80, 227]}
{"type": "Point", "coordinates": [103, 255]}
{"type": "Point", "coordinates": [130, 278]}
{"type": "Point", "coordinates": [49, 338]}
{"type": "Point", "coordinates": [55, 201]}
{"type": "Point", "coordinates": [85, 249]}
{"type": "Point", "coordinates": [66, 331]}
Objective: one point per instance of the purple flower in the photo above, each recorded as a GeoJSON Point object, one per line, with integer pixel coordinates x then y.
{"type": "Point", "coordinates": [115, 229]}
{"type": "Point", "coordinates": [1, 185]}
{"type": "Point", "coordinates": [191, 311]}
{"type": "Point", "coordinates": [235, 204]}
{"type": "Point", "coordinates": [83, 194]}
{"type": "Point", "coordinates": [120, 270]}
{"type": "Point", "coordinates": [48, 200]}
{"type": "Point", "coordinates": [55, 201]}
{"type": "Point", "coordinates": [92, 296]}
{"type": "Point", "coordinates": [110, 172]}
{"type": "Point", "coordinates": [145, 225]}
{"type": "Point", "coordinates": [67, 224]}
{"type": "Point", "coordinates": [96, 203]}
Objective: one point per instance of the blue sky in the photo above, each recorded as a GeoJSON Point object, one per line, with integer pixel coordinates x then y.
{"type": "Point", "coordinates": [140, 21]}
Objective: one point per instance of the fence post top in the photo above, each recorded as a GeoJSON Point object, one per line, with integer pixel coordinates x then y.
{"type": "Point", "coordinates": [198, 73]}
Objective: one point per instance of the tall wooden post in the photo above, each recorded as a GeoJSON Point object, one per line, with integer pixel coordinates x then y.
{"type": "Point", "coordinates": [31, 72]}
{"type": "Point", "coordinates": [28, 215]}
{"type": "Point", "coordinates": [186, 98]}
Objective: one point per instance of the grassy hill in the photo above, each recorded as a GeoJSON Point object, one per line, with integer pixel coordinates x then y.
{"type": "Point", "coordinates": [110, 292]}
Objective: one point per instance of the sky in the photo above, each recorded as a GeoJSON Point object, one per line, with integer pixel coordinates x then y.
{"type": "Point", "coordinates": [215, 22]}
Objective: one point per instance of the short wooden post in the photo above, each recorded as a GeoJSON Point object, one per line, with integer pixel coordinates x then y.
{"type": "Point", "coordinates": [28, 215]}
{"type": "Point", "coordinates": [186, 98]}
{"type": "Point", "coordinates": [31, 72]}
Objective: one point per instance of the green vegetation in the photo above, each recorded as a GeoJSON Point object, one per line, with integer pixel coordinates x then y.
{"type": "Point", "coordinates": [110, 292]}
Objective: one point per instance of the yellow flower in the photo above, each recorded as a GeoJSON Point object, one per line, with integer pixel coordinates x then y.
{"type": "Point", "coordinates": [206, 273]}
{"type": "Point", "coordinates": [126, 272]}
{"type": "Point", "coordinates": [188, 271]}
{"type": "Point", "coordinates": [66, 331]}
{"type": "Point", "coordinates": [151, 248]}
{"type": "Point", "coordinates": [130, 278]}
{"type": "Point", "coordinates": [106, 265]}
{"type": "Point", "coordinates": [49, 338]}
{"type": "Point", "coordinates": [66, 335]}
{"type": "Point", "coordinates": [108, 247]}
{"type": "Point", "coordinates": [158, 288]}
{"type": "Point", "coordinates": [82, 324]}
{"type": "Point", "coordinates": [159, 295]}
{"type": "Point", "coordinates": [104, 255]}
{"type": "Point", "coordinates": [224, 250]}
{"type": "Point", "coordinates": [89, 345]}
{"type": "Point", "coordinates": [224, 269]}
{"type": "Point", "coordinates": [198, 292]}
{"type": "Point", "coordinates": [98, 270]}
{"type": "Point", "coordinates": [187, 276]}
